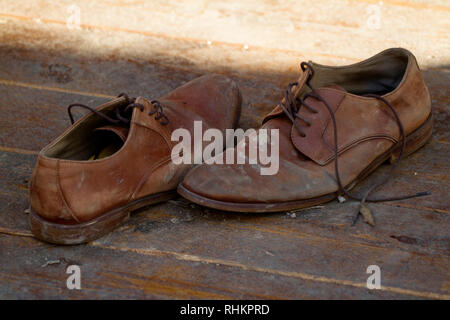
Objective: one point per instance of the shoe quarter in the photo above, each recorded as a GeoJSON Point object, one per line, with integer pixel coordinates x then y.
{"type": "Point", "coordinates": [92, 188]}
{"type": "Point", "coordinates": [359, 120]}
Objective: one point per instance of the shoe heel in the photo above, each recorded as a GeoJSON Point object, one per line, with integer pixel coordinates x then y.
{"type": "Point", "coordinates": [75, 234]}
{"type": "Point", "coordinates": [415, 140]}
{"type": "Point", "coordinates": [71, 234]}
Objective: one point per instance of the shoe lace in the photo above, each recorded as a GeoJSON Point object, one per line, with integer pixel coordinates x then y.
{"type": "Point", "coordinates": [160, 115]}
{"type": "Point", "coordinates": [291, 108]}
{"type": "Point", "coordinates": [122, 112]}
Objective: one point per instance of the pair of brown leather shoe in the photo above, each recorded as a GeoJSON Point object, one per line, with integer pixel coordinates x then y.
{"type": "Point", "coordinates": [336, 125]}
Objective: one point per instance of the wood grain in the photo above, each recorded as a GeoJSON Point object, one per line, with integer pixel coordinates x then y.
{"type": "Point", "coordinates": [179, 250]}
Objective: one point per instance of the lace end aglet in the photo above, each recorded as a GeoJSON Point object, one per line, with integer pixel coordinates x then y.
{"type": "Point", "coordinates": [367, 215]}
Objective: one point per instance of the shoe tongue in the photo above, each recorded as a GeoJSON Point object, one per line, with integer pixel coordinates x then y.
{"type": "Point", "coordinates": [121, 132]}
{"type": "Point", "coordinates": [278, 111]}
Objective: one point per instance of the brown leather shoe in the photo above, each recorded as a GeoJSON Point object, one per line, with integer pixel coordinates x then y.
{"type": "Point", "coordinates": [118, 158]}
{"type": "Point", "coordinates": [357, 105]}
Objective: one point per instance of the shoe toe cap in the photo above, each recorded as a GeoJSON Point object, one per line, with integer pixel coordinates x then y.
{"type": "Point", "coordinates": [245, 184]}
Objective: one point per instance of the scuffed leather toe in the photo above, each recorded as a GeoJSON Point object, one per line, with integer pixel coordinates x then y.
{"type": "Point", "coordinates": [236, 183]}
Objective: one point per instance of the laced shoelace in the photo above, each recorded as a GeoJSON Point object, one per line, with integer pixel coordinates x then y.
{"type": "Point", "coordinates": [160, 115]}
{"type": "Point", "coordinates": [122, 113]}
{"type": "Point", "coordinates": [291, 110]}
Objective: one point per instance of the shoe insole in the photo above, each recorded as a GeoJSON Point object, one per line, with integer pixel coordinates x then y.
{"type": "Point", "coordinates": [105, 151]}
{"type": "Point", "coordinates": [110, 140]}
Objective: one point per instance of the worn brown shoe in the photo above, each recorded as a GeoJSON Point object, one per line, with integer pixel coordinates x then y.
{"type": "Point", "coordinates": [118, 158]}
{"type": "Point", "coordinates": [371, 111]}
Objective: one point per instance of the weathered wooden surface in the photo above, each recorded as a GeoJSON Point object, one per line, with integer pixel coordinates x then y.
{"type": "Point", "coordinates": [176, 249]}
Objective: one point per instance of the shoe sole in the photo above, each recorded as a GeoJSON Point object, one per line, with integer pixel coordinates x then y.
{"type": "Point", "coordinates": [414, 141]}
{"type": "Point", "coordinates": [70, 234]}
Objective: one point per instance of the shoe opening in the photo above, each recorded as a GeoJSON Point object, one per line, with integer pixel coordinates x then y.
{"type": "Point", "coordinates": [91, 139]}
{"type": "Point", "coordinates": [379, 75]}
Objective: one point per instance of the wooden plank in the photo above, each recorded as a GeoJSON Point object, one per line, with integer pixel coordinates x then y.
{"type": "Point", "coordinates": [185, 54]}
{"type": "Point", "coordinates": [115, 274]}
{"type": "Point", "coordinates": [183, 251]}
{"type": "Point", "coordinates": [15, 171]}
{"type": "Point", "coordinates": [425, 170]}
{"type": "Point", "coordinates": [141, 65]}
{"type": "Point", "coordinates": [111, 73]}
{"type": "Point", "coordinates": [273, 242]}
{"type": "Point", "coordinates": [32, 117]}
{"type": "Point", "coordinates": [415, 258]}
{"type": "Point", "coordinates": [320, 29]}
